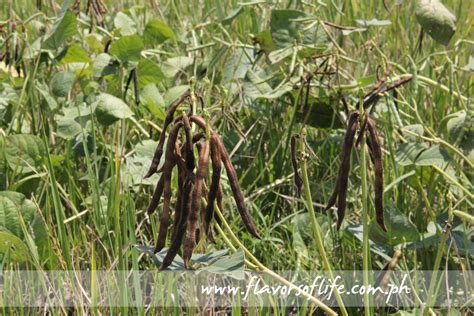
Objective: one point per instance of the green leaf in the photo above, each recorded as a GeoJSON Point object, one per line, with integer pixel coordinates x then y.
{"type": "Point", "coordinates": [420, 154]}
{"type": "Point", "coordinates": [73, 54]}
{"type": "Point", "coordinates": [127, 48]}
{"type": "Point", "coordinates": [124, 24]}
{"type": "Point", "coordinates": [61, 83]}
{"type": "Point", "coordinates": [64, 27]}
{"type": "Point", "coordinates": [174, 93]}
{"type": "Point", "coordinates": [399, 228]}
{"type": "Point", "coordinates": [12, 204]}
{"type": "Point", "coordinates": [232, 15]}
{"type": "Point", "coordinates": [286, 31]}
{"type": "Point", "coordinates": [13, 248]}
{"type": "Point", "coordinates": [153, 100]}
{"type": "Point", "coordinates": [149, 72]}
{"type": "Point", "coordinates": [24, 153]}
{"type": "Point", "coordinates": [104, 65]}
{"type": "Point", "coordinates": [455, 123]}
{"type": "Point", "coordinates": [68, 128]}
{"type": "Point", "coordinates": [436, 20]}
{"type": "Point", "coordinates": [110, 109]}
{"type": "Point", "coordinates": [434, 155]}
{"type": "Point", "coordinates": [319, 113]}
{"type": "Point", "coordinates": [232, 265]}
{"type": "Point", "coordinates": [265, 40]}
{"type": "Point", "coordinates": [174, 65]}
{"type": "Point", "coordinates": [238, 63]}
{"type": "Point", "coordinates": [157, 31]}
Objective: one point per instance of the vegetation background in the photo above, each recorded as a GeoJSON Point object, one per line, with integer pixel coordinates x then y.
{"type": "Point", "coordinates": [76, 143]}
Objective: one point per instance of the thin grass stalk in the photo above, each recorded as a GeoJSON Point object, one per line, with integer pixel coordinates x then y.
{"type": "Point", "coordinates": [365, 222]}
{"type": "Point", "coordinates": [316, 228]}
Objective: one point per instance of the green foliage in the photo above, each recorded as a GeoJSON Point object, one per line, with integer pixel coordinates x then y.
{"type": "Point", "coordinates": [436, 20]}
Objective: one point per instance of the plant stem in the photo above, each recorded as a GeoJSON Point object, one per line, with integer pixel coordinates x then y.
{"type": "Point", "coordinates": [365, 223]}
{"type": "Point", "coordinates": [266, 270]}
{"type": "Point", "coordinates": [317, 229]}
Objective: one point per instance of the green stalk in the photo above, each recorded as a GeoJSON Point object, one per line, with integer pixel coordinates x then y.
{"type": "Point", "coordinates": [365, 223]}
{"type": "Point", "coordinates": [317, 229]}
{"type": "Point", "coordinates": [266, 270]}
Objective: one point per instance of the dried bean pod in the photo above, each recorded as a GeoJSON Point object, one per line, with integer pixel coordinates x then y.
{"type": "Point", "coordinates": [238, 196]}
{"type": "Point", "coordinates": [159, 148]}
{"type": "Point", "coordinates": [233, 180]}
{"type": "Point", "coordinates": [167, 171]}
{"type": "Point", "coordinates": [378, 166]}
{"type": "Point", "coordinates": [297, 178]}
{"type": "Point", "coordinates": [215, 182]}
{"type": "Point", "coordinates": [188, 145]}
{"type": "Point", "coordinates": [345, 166]}
{"type": "Point", "coordinates": [181, 226]}
{"type": "Point", "coordinates": [193, 217]}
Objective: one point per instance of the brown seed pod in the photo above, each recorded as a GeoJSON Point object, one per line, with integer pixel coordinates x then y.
{"type": "Point", "coordinates": [294, 161]}
{"type": "Point", "coordinates": [378, 166]}
{"type": "Point", "coordinates": [238, 196]}
{"type": "Point", "coordinates": [188, 145]}
{"type": "Point", "coordinates": [345, 166]}
{"type": "Point", "coordinates": [193, 217]}
{"type": "Point", "coordinates": [215, 182]}
{"type": "Point", "coordinates": [159, 148]}
{"type": "Point", "coordinates": [167, 171]}
{"type": "Point", "coordinates": [233, 180]}
{"type": "Point", "coordinates": [181, 225]}
{"type": "Point", "coordinates": [345, 159]}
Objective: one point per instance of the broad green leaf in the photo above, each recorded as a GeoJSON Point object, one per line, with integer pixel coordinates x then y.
{"type": "Point", "coordinates": [265, 40]}
{"type": "Point", "coordinates": [148, 72]}
{"type": "Point", "coordinates": [408, 152]}
{"type": "Point", "coordinates": [434, 155]}
{"type": "Point", "coordinates": [104, 65]}
{"type": "Point", "coordinates": [64, 27]}
{"type": "Point", "coordinates": [232, 265]}
{"type": "Point", "coordinates": [13, 248]}
{"type": "Point", "coordinates": [153, 100]}
{"type": "Point", "coordinates": [94, 44]}
{"type": "Point", "coordinates": [73, 54]}
{"type": "Point", "coordinates": [7, 97]}
{"type": "Point", "coordinates": [237, 64]}
{"type": "Point", "coordinates": [124, 24]}
{"type": "Point", "coordinates": [174, 93]}
{"type": "Point", "coordinates": [436, 20]}
{"type": "Point", "coordinates": [127, 48]}
{"type": "Point", "coordinates": [24, 152]}
{"type": "Point", "coordinates": [12, 204]}
{"type": "Point", "coordinates": [110, 109]}
{"type": "Point", "coordinates": [399, 228]}
{"type": "Point", "coordinates": [68, 128]}
{"type": "Point", "coordinates": [157, 31]}
{"type": "Point", "coordinates": [455, 123]}
{"type": "Point", "coordinates": [286, 31]}
{"type": "Point", "coordinates": [61, 83]}
{"type": "Point", "coordinates": [44, 90]}
{"type": "Point", "coordinates": [319, 113]}
{"type": "Point", "coordinates": [174, 65]}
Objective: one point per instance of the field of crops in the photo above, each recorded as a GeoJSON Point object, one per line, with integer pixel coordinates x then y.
{"type": "Point", "coordinates": [180, 141]}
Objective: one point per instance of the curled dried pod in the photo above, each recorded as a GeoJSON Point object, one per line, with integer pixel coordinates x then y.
{"type": "Point", "coordinates": [167, 172]}
{"type": "Point", "coordinates": [215, 182]}
{"type": "Point", "coordinates": [378, 166]}
{"type": "Point", "coordinates": [190, 241]}
{"type": "Point", "coordinates": [159, 148]}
